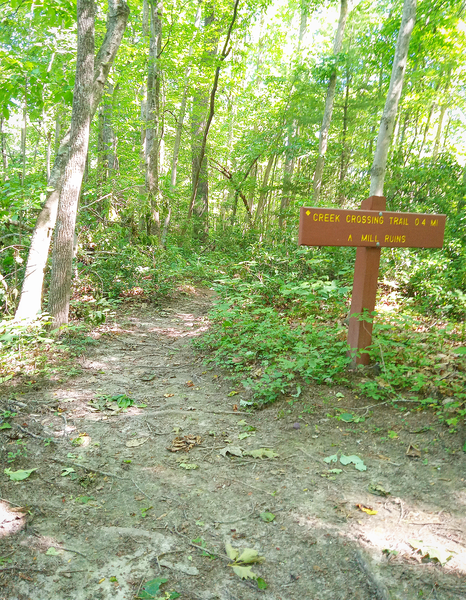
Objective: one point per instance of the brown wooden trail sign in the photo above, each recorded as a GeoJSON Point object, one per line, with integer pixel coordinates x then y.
{"type": "Point", "coordinates": [370, 229]}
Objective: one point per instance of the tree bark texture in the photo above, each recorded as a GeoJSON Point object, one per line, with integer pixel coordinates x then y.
{"type": "Point", "coordinates": [181, 114]}
{"type": "Point", "coordinates": [31, 293]}
{"type": "Point", "coordinates": [393, 97]}
{"type": "Point", "coordinates": [107, 160]}
{"type": "Point", "coordinates": [198, 166]}
{"type": "Point", "coordinates": [329, 100]}
{"type": "Point", "coordinates": [153, 133]}
{"type": "Point", "coordinates": [3, 147]}
{"type": "Point", "coordinates": [62, 258]}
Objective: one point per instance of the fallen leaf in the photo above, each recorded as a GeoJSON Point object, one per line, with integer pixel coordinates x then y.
{"type": "Point", "coordinates": [366, 509]}
{"type": "Point", "coordinates": [355, 460]}
{"type": "Point", "coordinates": [185, 443]}
{"type": "Point", "coordinates": [413, 452]}
{"type": "Point", "coordinates": [439, 554]}
{"type": "Point", "coordinates": [245, 572]}
{"type": "Point", "coordinates": [233, 393]}
{"type": "Point", "coordinates": [136, 442]}
{"type": "Point", "coordinates": [377, 490]}
{"type": "Point", "coordinates": [234, 450]}
{"type": "Point", "coordinates": [346, 417]}
{"type": "Point", "coordinates": [332, 458]}
{"type": "Point", "coordinates": [249, 555]}
{"type": "Point", "coordinates": [190, 383]}
{"type": "Point", "coordinates": [267, 517]}
{"type": "Point", "coordinates": [168, 395]}
{"type": "Point", "coordinates": [18, 475]}
{"type": "Point", "coordinates": [189, 466]}
{"type": "Point", "coordinates": [231, 552]}
{"type": "Point", "coordinates": [52, 552]}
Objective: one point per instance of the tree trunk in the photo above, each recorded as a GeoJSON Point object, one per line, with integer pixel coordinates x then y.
{"type": "Point", "coordinates": [393, 97]}
{"type": "Point", "coordinates": [107, 161]}
{"type": "Point", "coordinates": [153, 134]}
{"type": "Point", "coordinates": [48, 154]}
{"type": "Point", "coordinates": [31, 293]}
{"type": "Point", "coordinates": [24, 127]}
{"type": "Point", "coordinates": [344, 150]}
{"type": "Point", "coordinates": [264, 190]}
{"type": "Point", "coordinates": [199, 159]}
{"type": "Point", "coordinates": [287, 175]}
{"type": "Point", "coordinates": [328, 110]}
{"type": "Point", "coordinates": [62, 258]}
{"type": "Point", "coordinates": [181, 114]}
{"type": "Point", "coordinates": [438, 135]}
{"type": "Point", "coordinates": [291, 136]}
{"type": "Point", "coordinates": [3, 148]}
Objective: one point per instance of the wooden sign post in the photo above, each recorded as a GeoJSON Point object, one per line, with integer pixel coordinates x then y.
{"type": "Point", "coordinates": [370, 229]}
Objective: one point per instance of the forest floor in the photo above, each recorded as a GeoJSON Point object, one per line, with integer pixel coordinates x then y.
{"type": "Point", "coordinates": [112, 506]}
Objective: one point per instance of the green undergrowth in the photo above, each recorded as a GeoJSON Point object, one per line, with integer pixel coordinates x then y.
{"type": "Point", "coordinates": [281, 322]}
{"type": "Point", "coordinates": [30, 352]}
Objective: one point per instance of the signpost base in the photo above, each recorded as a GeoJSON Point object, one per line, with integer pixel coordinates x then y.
{"type": "Point", "coordinates": [366, 274]}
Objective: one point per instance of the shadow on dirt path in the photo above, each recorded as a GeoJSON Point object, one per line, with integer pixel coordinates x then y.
{"type": "Point", "coordinates": [123, 497]}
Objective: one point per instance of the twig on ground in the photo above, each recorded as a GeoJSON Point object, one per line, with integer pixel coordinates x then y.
{"type": "Point", "coordinates": [317, 460]}
{"type": "Point", "coordinates": [22, 568]}
{"type": "Point", "coordinates": [234, 520]}
{"type": "Point", "coordinates": [73, 551]}
{"type": "Point", "coordinates": [224, 556]}
{"type": "Point", "coordinates": [163, 554]}
{"type": "Point", "coordinates": [91, 469]}
{"type": "Point", "coordinates": [142, 491]}
{"type": "Point", "coordinates": [34, 435]}
{"type": "Point", "coordinates": [140, 586]}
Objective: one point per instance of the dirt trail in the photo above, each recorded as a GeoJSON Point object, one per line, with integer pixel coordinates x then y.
{"type": "Point", "coordinates": [121, 509]}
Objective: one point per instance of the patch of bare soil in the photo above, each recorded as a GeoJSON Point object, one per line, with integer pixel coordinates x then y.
{"type": "Point", "coordinates": [123, 497]}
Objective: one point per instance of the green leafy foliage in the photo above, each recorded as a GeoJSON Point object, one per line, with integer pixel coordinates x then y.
{"type": "Point", "coordinates": [19, 475]}
{"type": "Point", "coordinates": [268, 325]}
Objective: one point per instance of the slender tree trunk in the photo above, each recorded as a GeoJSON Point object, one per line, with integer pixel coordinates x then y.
{"type": "Point", "coordinates": [438, 135]}
{"type": "Point", "coordinates": [62, 259]}
{"type": "Point", "coordinates": [179, 132]}
{"type": "Point", "coordinates": [264, 189]}
{"type": "Point", "coordinates": [3, 148]}
{"type": "Point", "coordinates": [57, 133]}
{"type": "Point", "coordinates": [288, 169]}
{"type": "Point", "coordinates": [31, 293]}
{"type": "Point", "coordinates": [393, 97]}
{"type": "Point", "coordinates": [48, 154]}
{"type": "Point", "coordinates": [328, 110]}
{"type": "Point", "coordinates": [153, 133]}
{"type": "Point", "coordinates": [107, 161]}
{"type": "Point", "coordinates": [291, 136]}
{"type": "Point", "coordinates": [344, 150]}
{"type": "Point", "coordinates": [181, 114]}
{"type": "Point", "coordinates": [202, 149]}
{"type": "Point", "coordinates": [24, 128]}
{"type": "Point", "coordinates": [426, 128]}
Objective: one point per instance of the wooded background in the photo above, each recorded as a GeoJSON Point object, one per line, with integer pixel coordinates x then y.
{"type": "Point", "coordinates": [212, 122]}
